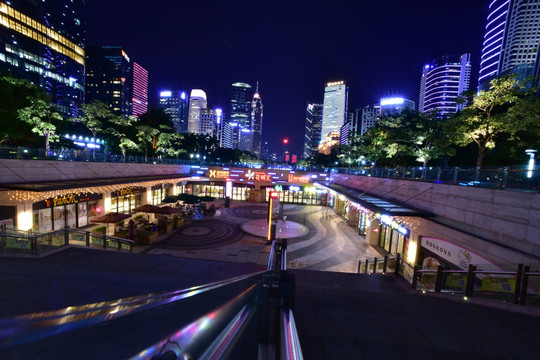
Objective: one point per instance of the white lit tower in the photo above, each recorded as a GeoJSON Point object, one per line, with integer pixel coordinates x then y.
{"type": "Point", "coordinates": [197, 101]}
{"type": "Point", "coordinates": [256, 122]}
{"type": "Point", "coordinates": [443, 80]}
{"type": "Point", "coordinates": [240, 116]}
{"type": "Point", "coordinates": [334, 108]}
{"type": "Point", "coordinates": [511, 40]}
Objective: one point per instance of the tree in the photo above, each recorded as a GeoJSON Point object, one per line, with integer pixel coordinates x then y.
{"type": "Point", "coordinates": [43, 118]}
{"type": "Point", "coordinates": [502, 109]}
{"type": "Point", "coordinates": [145, 135]}
{"type": "Point", "coordinates": [95, 115]}
{"type": "Point", "coordinates": [123, 128]}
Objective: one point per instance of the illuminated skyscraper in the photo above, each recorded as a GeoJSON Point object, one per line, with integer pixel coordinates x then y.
{"type": "Point", "coordinates": [442, 82]}
{"type": "Point", "coordinates": [44, 42]}
{"type": "Point", "coordinates": [334, 108]}
{"type": "Point", "coordinates": [240, 117]}
{"type": "Point", "coordinates": [393, 105]}
{"type": "Point", "coordinates": [109, 78]}
{"type": "Point", "coordinates": [511, 39]}
{"type": "Point", "coordinates": [256, 122]}
{"type": "Point", "coordinates": [207, 123]}
{"type": "Point", "coordinates": [140, 90]}
{"type": "Point", "coordinates": [312, 131]}
{"type": "Point", "coordinates": [174, 103]}
{"type": "Point", "coordinates": [197, 101]}
{"type": "Point", "coordinates": [370, 114]}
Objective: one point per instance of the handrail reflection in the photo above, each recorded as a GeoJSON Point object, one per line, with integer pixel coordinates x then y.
{"type": "Point", "coordinates": [26, 328]}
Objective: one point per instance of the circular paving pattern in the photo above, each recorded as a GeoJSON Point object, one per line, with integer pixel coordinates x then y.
{"type": "Point", "coordinates": [203, 234]}
{"type": "Point", "coordinates": [247, 212]}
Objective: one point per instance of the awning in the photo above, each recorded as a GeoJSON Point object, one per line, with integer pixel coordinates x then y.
{"type": "Point", "coordinates": [377, 204]}
{"type": "Point", "coordinates": [83, 183]}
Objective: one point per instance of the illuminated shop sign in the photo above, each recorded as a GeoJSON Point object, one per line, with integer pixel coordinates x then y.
{"type": "Point", "coordinates": [218, 174]}
{"type": "Point", "coordinates": [387, 220]}
{"type": "Point", "coordinates": [66, 200]}
{"type": "Point", "coordinates": [258, 176]}
{"type": "Point", "coordinates": [298, 179]}
{"type": "Point", "coordinates": [128, 191]}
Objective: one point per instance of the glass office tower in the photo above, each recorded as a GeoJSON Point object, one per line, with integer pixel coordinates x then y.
{"type": "Point", "coordinates": [334, 108]}
{"type": "Point", "coordinates": [44, 42]}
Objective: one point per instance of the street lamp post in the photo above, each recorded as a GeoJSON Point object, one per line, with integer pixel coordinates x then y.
{"type": "Point", "coordinates": [531, 153]}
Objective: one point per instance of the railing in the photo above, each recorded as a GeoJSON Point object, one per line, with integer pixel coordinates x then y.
{"type": "Point", "coordinates": [519, 287]}
{"type": "Point", "coordinates": [267, 296]}
{"type": "Point", "coordinates": [504, 178]}
{"type": "Point", "coordinates": [17, 242]}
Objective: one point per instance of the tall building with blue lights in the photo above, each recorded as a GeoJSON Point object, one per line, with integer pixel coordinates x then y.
{"type": "Point", "coordinates": [44, 43]}
{"type": "Point", "coordinates": [240, 116]}
{"type": "Point", "coordinates": [395, 105]}
{"type": "Point", "coordinates": [312, 131]}
{"type": "Point", "coordinates": [443, 80]}
{"type": "Point", "coordinates": [175, 104]}
{"type": "Point", "coordinates": [334, 108]}
{"type": "Point", "coordinates": [511, 39]}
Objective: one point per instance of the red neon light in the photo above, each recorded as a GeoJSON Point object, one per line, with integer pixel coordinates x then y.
{"type": "Point", "coordinates": [285, 141]}
{"type": "Point", "coordinates": [274, 194]}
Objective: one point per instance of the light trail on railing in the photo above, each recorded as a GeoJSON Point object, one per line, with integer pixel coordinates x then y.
{"type": "Point", "coordinates": [30, 327]}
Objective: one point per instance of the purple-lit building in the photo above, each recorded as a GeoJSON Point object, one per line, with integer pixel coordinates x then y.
{"type": "Point", "coordinates": [256, 122]}
{"type": "Point", "coordinates": [442, 82]}
{"type": "Point", "coordinates": [140, 90]}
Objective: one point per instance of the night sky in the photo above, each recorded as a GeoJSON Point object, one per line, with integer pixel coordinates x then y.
{"type": "Point", "coordinates": [292, 48]}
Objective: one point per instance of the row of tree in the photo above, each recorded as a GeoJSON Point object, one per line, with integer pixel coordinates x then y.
{"type": "Point", "coordinates": [504, 120]}
{"type": "Point", "coordinates": [25, 109]}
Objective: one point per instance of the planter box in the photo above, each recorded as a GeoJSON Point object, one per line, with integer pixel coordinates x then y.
{"type": "Point", "coordinates": [147, 239]}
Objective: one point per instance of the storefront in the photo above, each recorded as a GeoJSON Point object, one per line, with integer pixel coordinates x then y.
{"type": "Point", "coordinates": [74, 210]}
{"type": "Point", "coordinates": [159, 192]}
{"type": "Point", "coordinates": [123, 201]}
{"type": "Point", "coordinates": [216, 189]}
{"type": "Point", "coordinates": [294, 194]}
{"type": "Point", "coordinates": [393, 236]}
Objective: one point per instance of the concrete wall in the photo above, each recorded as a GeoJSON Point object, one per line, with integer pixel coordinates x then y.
{"type": "Point", "coordinates": [20, 171]}
{"type": "Point", "coordinates": [498, 223]}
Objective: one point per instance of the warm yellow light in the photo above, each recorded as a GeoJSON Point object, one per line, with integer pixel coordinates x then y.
{"type": "Point", "coordinates": [107, 204]}
{"type": "Point", "coordinates": [24, 220]}
{"type": "Point", "coordinates": [411, 254]}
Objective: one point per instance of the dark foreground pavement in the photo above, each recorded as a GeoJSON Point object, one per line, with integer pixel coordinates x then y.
{"type": "Point", "coordinates": [338, 315]}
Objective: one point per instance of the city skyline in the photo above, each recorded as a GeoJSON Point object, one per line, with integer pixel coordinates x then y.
{"type": "Point", "coordinates": [292, 50]}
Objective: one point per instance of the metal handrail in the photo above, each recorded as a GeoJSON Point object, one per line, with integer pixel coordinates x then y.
{"type": "Point", "coordinates": [25, 328]}
{"type": "Point", "coordinates": [290, 343]}
{"type": "Point", "coordinates": [189, 344]}
{"type": "Point", "coordinates": [271, 257]}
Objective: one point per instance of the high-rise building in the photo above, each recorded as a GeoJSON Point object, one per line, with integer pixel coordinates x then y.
{"type": "Point", "coordinates": [240, 117]}
{"type": "Point", "coordinates": [511, 39]}
{"type": "Point", "coordinates": [312, 132]}
{"type": "Point", "coordinates": [223, 130]}
{"type": "Point", "coordinates": [175, 104]}
{"type": "Point", "coordinates": [334, 108]}
{"type": "Point", "coordinates": [207, 122]}
{"type": "Point", "coordinates": [140, 90]}
{"type": "Point", "coordinates": [393, 105]}
{"type": "Point", "coordinates": [109, 78]}
{"type": "Point", "coordinates": [370, 114]}
{"type": "Point", "coordinates": [197, 101]}
{"type": "Point", "coordinates": [44, 43]}
{"type": "Point", "coordinates": [442, 82]}
{"type": "Point", "coordinates": [256, 122]}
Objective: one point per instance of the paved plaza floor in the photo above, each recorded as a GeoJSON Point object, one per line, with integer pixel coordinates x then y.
{"type": "Point", "coordinates": [318, 239]}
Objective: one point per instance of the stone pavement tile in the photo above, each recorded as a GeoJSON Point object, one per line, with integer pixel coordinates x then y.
{"type": "Point", "coordinates": [440, 335]}
{"type": "Point", "coordinates": [368, 328]}
{"type": "Point", "coordinates": [334, 324]}
{"type": "Point", "coordinates": [478, 340]}
{"type": "Point", "coordinates": [403, 331]}
{"type": "Point", "coordinates": [515, 345]}
{"type": "Point", "coordinates": [375, 351]}
{"type": "Point", "coordinates": [342, 349]}
{"type": "Point", "coordinates": [415, 353]}
{"type": "Point", "coordinates": [307, 322]}
{"type": "Point", "coordinates": [312, 348]}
